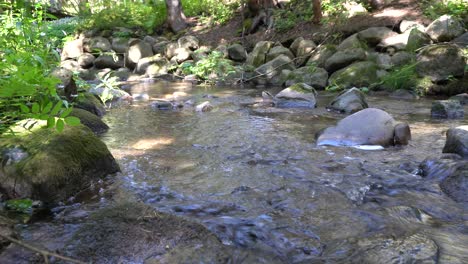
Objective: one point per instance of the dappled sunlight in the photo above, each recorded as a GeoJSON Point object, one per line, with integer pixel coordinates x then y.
{"type": "Point", "coordinates": [392, 13]}
{"type": "Point", "coordinates": [152, 143]}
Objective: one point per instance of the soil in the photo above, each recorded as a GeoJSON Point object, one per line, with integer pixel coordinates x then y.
{"type": "Point", "coordinates": [390, 16]}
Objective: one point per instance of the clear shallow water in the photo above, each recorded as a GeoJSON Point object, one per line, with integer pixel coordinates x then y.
{"type": "Point", "coordinates": [256, 179]}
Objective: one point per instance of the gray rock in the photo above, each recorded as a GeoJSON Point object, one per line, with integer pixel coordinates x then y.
{"type": "Point", "coordinates": [358, 74]}
{"type": "Point", "coordinates": [144, 63]}
{"type": "Point", "coordinates": [384, 61]}
{"type": "Point", "coordinates": [115, 94]}
{"type": "Point", "coordinates": [406, 25]}
{"type": "Point", "coordinates": [461, 41]}
{"type": "Point", "coordinates": [297, 96]}
{"type": "Point", "coordinates": [417, 39]}
{"type": "Point", "coordinates": [273, 68]}
{"type": "Point", "coordinates": [71, 65]}
{"type": "Point", "coordinates": [171, 49]}
{"type": "Point", "coordinates": [351, 42]}
{"type": "Point", "coordinates": [404, 94]}
{"type": "Point", "coordinates": [344, 58]}
{"type": "Point", "coordinates": [456, 185]}
{"type": "Point", "coordinates": [90, 120]}
{"type": "Point", "coordinates": [258, 56]}
{"type": "Point", "coordinates": [310, 75]}
{"type": "Point", "coordinates": [278, 50]}
{"type": "Point", "coordinates": [402, 58]}
{"type": "Point", "coordinates": [398, 41]}
{"type": "Point", "coordinates": [86, 60]}
{"type": "Point", "coordinates": [188, 42]}
{"type": "Point", "coordinates": [122, 73]}
{"type": "Point", "coordinates": [161, 104]}
{"type": "Point", "coordinates": [457, 141]}
{"type": "Point", "coordinates": [441, 62]}
{"type": "Point", "coordinates": [402, 134]}
{"type": "Point", "coordinates": [137, 50]}
{"type": "Point", "coordinates": [367, 127]}
{"type": "Point", "coordinates": [237, 52]}
{"type": "Point", "coordinates": [150, 40]}
{"type": "Point", "coordinates": [204, 107]}
{"type": "Point", "coordinates": [374, 35]}
{"type": "Point", "coordinates": [97, 44]}
{"type": "Point", "coordinates": [182, 54]}
{"type": "Point", "coordinates": [120, 45]}
{"type": "Point", "coordinates": [320, 55]}
{"type": "Point", "coordinates": [349, 101]}
{"type": "Point", "coordinates": [302, 49]}
{"type": "Point", "coordinates": [156, 69]}
{"type": "Point", "coordinates": [445, 28]}
{"type": "Point", "coordinates": [72, 49]}
{"type": "Point", "coordinates": [160, 47]}
{"type": "Point", "coordinates": [109, 61]}
{"type": "Point", "coordinates": [64, 75]}
{"type": "Point", "coordinates": [462, 98]}
{"type": "Point", "coordinates": [450, 109]}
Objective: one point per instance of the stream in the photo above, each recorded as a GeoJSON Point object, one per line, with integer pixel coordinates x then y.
{"type": "Point", "coordinates": [256, 180]}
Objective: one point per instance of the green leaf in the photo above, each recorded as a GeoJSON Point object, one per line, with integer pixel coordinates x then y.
{"type": "Point", "coordinates": [60, 125]}
{"type": "Point", "coordinates": [47, 108]}
{"type": "Point", "coordinates": [51, 122]}
{"type": "Point", "coordinates": [66, 112]}
{"type": "Point", "coordinates": [72, 121]}
{"type": "Point", "coordinates": [24, 108]}
{"type": "Point", "coordinates": [56, 108]}
{"type": "Point", "coordinates": [35, 108]}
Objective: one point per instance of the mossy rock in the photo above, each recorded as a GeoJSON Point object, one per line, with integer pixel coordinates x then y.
{"type": "Point", "coordinates": [90, 103]}
{"type": "Point", "coordinates": [90, 120]}
{"type": "Point", "coordinates": [57, 164]}
{"type": "Point", "coordinates": [358, 74]}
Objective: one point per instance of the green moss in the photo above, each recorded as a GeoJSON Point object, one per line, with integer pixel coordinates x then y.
{"type": "Point", "coordinates": [423, 85]}
{"type": "Point", "coordinates": [359, 74]}
{"type": "Point", "coordinates": [301, 88]}
{"type": "Point", "coordinates": [90, 120]}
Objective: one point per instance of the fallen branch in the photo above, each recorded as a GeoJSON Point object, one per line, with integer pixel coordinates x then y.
{"type": "Point", "coordinates": [44, 253]}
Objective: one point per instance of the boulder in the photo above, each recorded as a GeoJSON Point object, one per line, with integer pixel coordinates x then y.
{"type": "Point", "coordinates": [120, 45]}
{"type": "Point", "coordinates": [406, 25]}
{"type": "Point", "coordinates": [90, 103]}
{"type": "Point", "coordinates": [349, 101]}
{"type": "Point", "coordinates": [90, 120]}
{"type": "Point", "coordinates": [310, 75]}
{"type": "Point", "coordinates": [64, 75]}
{"type": "Point", "coordinates": [462, 98]}
{"type": "Point", "coordinates": [416, 40]}
{"type": "Point", "coordinates": [157, 68]}
{"type": "Point", "coordinates": [358, 74]}
{"type": "Point", "coordinates": [182, 54]}
{"type": "Point", "coordinates": [237, 52]}
{"type": "Point", "coordinates": [273, 68]}
{"type": "Point", "coordinates": [302, 49]}
{"type": "Point", "coordinates": [97, 45]}
{"type": "Point", "coordinates": [137, 49]}
{"type": "Point", "coordinates": [87, 74]}
{"type": "Point", "coordinates": [367, 127]}
{"type": "Point", "coordinates": [402, 134]}
{"type": "Point", "coordinates": [461, 41]}
{"type": "Point", "coordinates": [457, 141]}
{"type": "Point", "coordinates": [299, 95]}
{"type": "Point", "coordinates": [320, 55]}
{"type": "Point", "coordinates": [144, 63]}
{"type": "Point", "coordinates": [72, 49]}
{"type": "Point", "coordinates": [189, 42]}
{"type": "Point", "coordinates": [151, 40]}
{"type": "Point", "coordinates": [113, 94]}
{"type": "Point", "coordinates": [71, 65]}
{"type": "Point", "coordinates": [441, 62]}
{"type": "Point", "coordinates": [351, 42]}
{"type": "Point", "coordinates": [170, 50]}
{"type": "Point", "coordinates": [86, 60]}
{"type": "Point", "coordinates": [278, 50]}
{"type": "Point", "coordinates": [258, 55]}
{"type": "Point", "coordinates": [450, 109]}
{"type": "Point", "coordinates": [404, 94]}
{"type": "Point", "coordinates": [58, 165]}
{"type": "Point", "coordinates": [122, 74]}
{"type": "Point", "coordinates": [160, 47]}
{"type": "Point", "coordinates": [397, 42]}
{"type": "Point", "coordinates": [402, 58]}
{"type": "Point", "coordinates": [374, 35]}
{"type": "Point", "coordinates": [456, 185]}
{"type": "Point", "coordinates": [445, 28]}
{"type": "Point", "coordinates": [109, 61]}
{"type": "Point", "coordinates": [344, 58]}
{"type": "Point", "coordinates": [383, 60]}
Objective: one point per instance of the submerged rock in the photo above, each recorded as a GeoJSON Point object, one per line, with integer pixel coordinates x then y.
{"type": "Point", "coordinates": [370, 126]}
{"type": "Point", "coordinates": [58, 165]}
{"type": "Point", "coordinates": [456, 185]}
{"type": "Point", "coordinates": [204, 107]}
{"type": "Point", "coordinates": [299, 95]}
{"type": "Point", "coordinates": [349, 101]}
{"type": "Point", "coordinates": [457, 141]}
{"type": "Point", "coordinates": [450, 109]}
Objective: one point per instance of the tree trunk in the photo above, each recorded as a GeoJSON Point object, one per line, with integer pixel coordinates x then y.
{"type": "Point", "coordinates": [317, 9]}
{"type": "Point", "coordinates": [175, 16]}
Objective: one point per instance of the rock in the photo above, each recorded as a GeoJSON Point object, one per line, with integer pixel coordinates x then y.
{"type": "Point", "coordinates": [349, 101]}
{"type": "Point", "coordinates": [90, 103]}
{"type": "Point", "coordinates": [72, 49]}
{"type": "Point", "coordinates": [97, 45]}
{"type": "Point", "coordinates": [237, 52]}
{"type": "Point", "coordinates": [352, 8]}
{"type": "Point", "coordinates": [160, 47]}
{"type": "Point", "coordinates": [223, 49]}
{"type": "Point", "coordinates": [310, 75]}
{"type": "Point", "coordinates": [374, 35]}
{"type": "Point", "coordinates": [358, 74]}
{"type": "Point", "coordinates": [191, 78]}
{"type": "Point", "coordinates": [273, 68]}
{"type": "Point", "coordinates": [397, 42]}
{"type": "Point", "coordinates": [402, 134]}
{"type": "Point", "coordinates": [404, 94]}
{"type": "Point", "coordinates": [204, 107]}
{"type": "Point", "coordinates": [109, 61]}
{"type": "Point", "coordinates": [384, 61]}
{"type": "Point", "coordinates": [189, 42]}
{"type": "Point", "coordinates": [302, 49]}
{"type": "Point", "coordinates": [402, 58]}
{"type": "Point", "coordinates": [441, 62]}
{"type": "Point", "coordinates": [462, 98]}
{"type": "Point", "coordinates": [461, 41]}
{"type": "Point", "coordinates": [64, 75]}
{"type": "Point", "coordinates": [157, 68]}
{"type": "Point", "coordinates": [406, 25]}
{"type": "Point", "coordinates": [367, 127]}
{"type": "Point", "coordinates": [199, 55]}
{"type": "Point", "coordinates": [144, 63]}
{"type": "Point", "coordinates": [299, 95]}
{"type": "Point", "coordinates": [351, 42]}
{"type": "Point", "coordinates": [90, 120]}
{"type": "Point", "coordinates": [280, 79]}
{"type": "Point", "coordinates": [161, 104]}
{"type": "Point", "coordinates": [122, 73]}
{"type": "Point", "coordinates": [171, 49]}
{"type": "Point", "coordinates": [450, 109]}
{"type": "Point", "coordinates": [120, 45]}
{"type": "Point", "coordinates": [278, 50]}
{"type": "Point", "coordinates": [71, 65]}
{"type": "Point", "coordinates": [439, 168]}
{"type": "Point", "coordinates": [137, 50]}
{"type": "Point", "coordinates": [320, 55]}
{"type": "Point", "coordinates": [258, 56]}
{"type": "Point", "coordinates": [416, 40]}
{"type": "Point", "coordinates": [181, 55]}
{"type": "Point", "coordinates": [149, 39]}
{"type": "Point", "coordinates": [59, 164]}
{"type": "Point", "coordinates": [445, 28]}
{"type": "Point", "coordinates": [344, 58]}
{"type": "Point", "coordinates": [456, 185]}
{"type": "Point", "coordinates": [86, 60]}
{"type": "Point", "coordinates": [87, 74]}
{"type": "Point", "coordinates": [457, 141]}
{"type": "Point", "coordinates": [113, 94]}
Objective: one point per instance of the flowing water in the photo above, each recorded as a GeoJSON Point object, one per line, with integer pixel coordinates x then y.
{"type": "Point", "coordinates": [255, 178]}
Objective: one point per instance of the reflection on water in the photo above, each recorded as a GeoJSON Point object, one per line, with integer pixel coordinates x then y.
{"type": "Point", "coordinates": [256, 179]}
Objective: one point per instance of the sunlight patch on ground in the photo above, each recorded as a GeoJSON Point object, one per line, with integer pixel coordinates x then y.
{"type": "Point", "coordinates": [152, 143]}
{"type": "Point", "coordinates": [392, 13]}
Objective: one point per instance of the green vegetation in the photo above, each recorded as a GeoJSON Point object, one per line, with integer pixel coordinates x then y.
{"type": "Point", "coordinates": [436, 8]}
{"type": "Point", "coordinates": [403, 77]}
{"type": "Point", "coordinates": [212, 67]}
{"type": "Point", "coordinates": [20, 205]}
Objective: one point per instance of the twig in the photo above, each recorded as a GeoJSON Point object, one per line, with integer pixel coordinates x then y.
{"type": "Point", "coordinates": [44, 253]}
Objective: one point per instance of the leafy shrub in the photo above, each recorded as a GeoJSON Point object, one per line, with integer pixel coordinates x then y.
{"type": "Point", "coordinates": [214, 66]}
{"type": "Point", "coordinates": [60, 31]}
{"type": "Point", "coordinates": [219, 11]}
{"type": "Point", "coordinates": [456, 8]}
